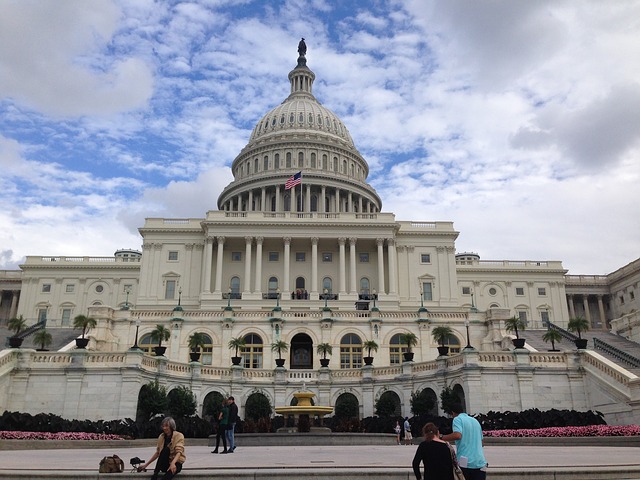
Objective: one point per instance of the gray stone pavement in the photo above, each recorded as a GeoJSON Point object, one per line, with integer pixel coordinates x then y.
{"type": "Point", "coordinates": [310, 458]}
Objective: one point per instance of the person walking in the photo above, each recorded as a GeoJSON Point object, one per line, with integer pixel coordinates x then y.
{"type": "Point", "coordinates": [467, 434]}
{"type": "Point", "coordinates": [408, 438]}
{"type": "Point", "coordinates": [398, 430]}
{"type": "Point", "coordinates": [435, 455]}
{"type": "Point", "coordinates": [231, 426]}
{"type": "Point", "coordinates": [169, 452]}
{"type": "Point", "coordinates": [221, 432]}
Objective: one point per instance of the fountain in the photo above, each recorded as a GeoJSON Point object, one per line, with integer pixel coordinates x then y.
{"type": "Point", "coordinates": [304, 407]}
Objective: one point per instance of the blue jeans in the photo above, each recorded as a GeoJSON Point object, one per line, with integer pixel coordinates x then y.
{"type": "Point", "coordinates": [231, 439]}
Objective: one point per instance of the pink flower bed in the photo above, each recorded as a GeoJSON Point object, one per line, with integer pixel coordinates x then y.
{"type": "Point", "coordinates": [9, 435]}
{"type": "Point", "coordinates": [587, 431]}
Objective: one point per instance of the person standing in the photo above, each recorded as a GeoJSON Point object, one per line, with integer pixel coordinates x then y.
{"type": "Point", "coordinates": [223, 420]}
{"type": "Point", "coordinates": [467, 434]}
{"type": "Point", "coordinates": [169, 452]}
{"type": "Point", "coordinates": [397, 429]}
{"type": "Point", "coordinates": [435, 455]}
{"type": "Point", "coordinates": [408, 438]}
{"type": "Point", "coordinates": [231, 427]}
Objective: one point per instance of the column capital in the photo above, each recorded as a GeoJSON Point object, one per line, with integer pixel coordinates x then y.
{"type": "Point", "coordinates": [248, 239]}
{"type": "Point", "coordinates": [342, 241]}
{"type": "Point", "coordinates": [220, 240]}
{"type": "Point", "coordinates": [259, 240]}
{"type": "Point", "coordinates": [391, 242]}
{"type": "Point", "coordinates": [286, 240]}
{"type": "Point", "coordinates": [352, 241]}
{"type": "Point", "coordinates": [315, 240]}
{"type": "Point", "coordinates": [379, 242]}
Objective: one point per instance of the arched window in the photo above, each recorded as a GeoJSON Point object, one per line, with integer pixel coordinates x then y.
{"type": "Point", "coordinates": [205, 351]}
{"type": "Point", "coordinates": [265, 163]}
{"type": "Point", "coordinates": [287, 203]}
{"type": "Point", "coordinates": [251, 353]}
{"type": "Point", "coordinates": [300, 283]}
{"type": "Point", "coordinates": [314, 203]}
{"type": "Point", "coordinates": [453, 343]}
{"type": "Point", "coordinates": [351, 351]}
{"type": "Point", "coordinates": [273, 203]}
{"type": "Point", "coordinates": [325, 162]}
{"type": "Point", "coordinates": [234, 285]}
{"type": "Point", "coordinates": [313, 160]}
{"type": "Point", "coordinates": [288, 160]}
{"type": "Point", "coordinates": [255, 166]}
{"type": "Point", "coordinates": [335, 164]}
{"type": "Point", "coordinates": [347, 406]}
{"type": "Point", "coordinates": [273, 285]}
{"type": "Point", "coordinates": [276, 161]}
{"type": "Point", "coordinates": [300, 159]}
{"type": "Point", "coordinates": [327, 285]}
{"type": "Point", "coordinates": [146, 344]}
{"type": "Point", "coordinates": [396, 349]}
{"type": "Point", "coordinates": [364, 286]}
{"type": "Point", "coordinates": [344, 167]}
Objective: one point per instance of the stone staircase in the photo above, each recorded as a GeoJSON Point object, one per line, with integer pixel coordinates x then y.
{"type": "Point", "coordinates": [61, 337]}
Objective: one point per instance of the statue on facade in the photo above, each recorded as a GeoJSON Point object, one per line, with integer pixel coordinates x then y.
{"type": "Point", "coordinates": [302, 48]}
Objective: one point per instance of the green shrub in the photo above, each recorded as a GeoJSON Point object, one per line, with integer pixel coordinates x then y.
{"type": "Point", "coordinates": [181, 402]}
{"type": "Point", "coordinates": [422, 402]}
{"type": "Point", "coordinates": [257, 406]}
{"type": "Point", "coordinates": [152, 400]}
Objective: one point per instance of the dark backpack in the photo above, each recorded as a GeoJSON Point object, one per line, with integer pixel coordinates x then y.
{"type": "Point", "coordinates": [112, 464]}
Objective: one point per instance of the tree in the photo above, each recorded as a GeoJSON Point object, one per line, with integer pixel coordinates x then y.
{"type": "Point", "coordinates": [257, 406]}
{"type": "Point", "coordinates": [197, 340]}
{"type": "Point", "coordinates": [448, 398]}
{"type": "Point", "coordinates": [578, 325]}
{"type": "Point", "coordinates": [421, 402]}
{"type": "Point", "coordinates": [514, 324]}
{"type": "Point", "coordinates": [371, 346]}
{"type": "Point", "coordinates": [387, 405]}
{"type": "Point", "coordinates": [552, 335]}
{"type": "Point", "coordinates": [409, 339]}
{"type": "Point", "coordinates": [441, 333]}
{"type": "Point", "coordinates": [181, 402]}
{"type": "Point", "coordinates": [279, 346]}
{"type": "Point", "coordinates": [17, 324]}
{"type": "Point", "coordinates": [152, 400]}
{"type": "Point", "coordinates": [347, 406]}
{"type": "Point", "coordinates": [85, 323]}
{"type": "Point", "coordinates": [42, 338]}
{"type": "Point", "coordinates": [237, 343]}
{"type": "Point", "coordinates": [324, 349]}
{"type": "Point", "coordinates": [160, 334]}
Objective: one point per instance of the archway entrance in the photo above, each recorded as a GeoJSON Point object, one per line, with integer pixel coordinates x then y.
{"type": "Point", "coordinates": [301, 351]}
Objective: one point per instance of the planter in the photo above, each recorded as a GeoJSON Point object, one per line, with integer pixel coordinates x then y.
{"type": "Point", "coordinates": [518, 342]}
{"type": "Point", "coordinates": [368, 360]}
{"type": "Point", "coordinates": [581, 343]}
{"type": "Point", "coordinates": [82, 342]}
{"type": "Point", "coordinates": [194, 356]}
{"type": "Point", "coordinates": [279, 362]}
{"type": "Point", "coordinates": [159, 351]}
{"type": "Point", "coordinates": [236, 360]}
{"type": "Point", "coordinates": [408, 356]}
{"type": "Point", "coordinates": [324, 362]}
{"type": "Point", "coordinates": [443, 351]}
{"type": "Point", "coordinates": [15, 342]}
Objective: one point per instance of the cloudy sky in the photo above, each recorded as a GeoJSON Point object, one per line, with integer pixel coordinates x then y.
{"type": "Point", "coordinates": [517, 120]}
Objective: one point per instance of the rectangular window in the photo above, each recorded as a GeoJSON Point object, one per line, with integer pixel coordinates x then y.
{"type": "Point", "coordinates": [46, 288]}
{"type": "Point", "coordinates": [274, 256]}
{"type": "Point", "coordinates": [466, 290]}
{"type": "Point", "coordinates": [301, 257]}
{"type": "Point", "coordinates": [542, 292]}
{"type": "Point", "coordinates": [170, 289]}
{"type": "Point", "coordinates": [327, 257]}
{"type": "Point", "coordinates": [632, 295]}
{"type": "Point", "coordinates": [523, 316]}
{"type": "Point", "coordinates": [69, 288]}
{"type": "Point", "coordinates": [236, 256]}
{"type": "Point", "coordinates": [425, 258]}
{"type": "Point", "coordinates": [520, 291]}
{"type": "Point", "coordinates": [66, 317]}
{"type": "Point", "coordinates": [621, 299]}
{"type": "Point", "coordinates": [173, 256]}
{"type": "Point", "coordinates": [364, 258]}
{"type": "Point", "coordinates": [544, 316]}
{"type": "Point", "coordinates": [42, 315]}
{"type": "Point", "coordinates": [427, 294]}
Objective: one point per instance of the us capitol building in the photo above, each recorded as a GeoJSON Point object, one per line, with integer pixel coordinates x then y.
{"type": "Point", "coordinates": [300, 251]}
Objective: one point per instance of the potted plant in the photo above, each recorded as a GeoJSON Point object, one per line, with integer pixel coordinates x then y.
{"type": "Point", "coordinates": [440, 334]}
{"type": "Point", "coordinates": [514, 324]}
{"type": "Point", "coordinates": [85, 323]}
{"type": "Point", "coordinates": [237, 343]}
{"type": "Point", "coordinates": [279, 346]}
{"type": "Point", "coordinates": [16, 325]}
{"type": "Point", "coordinates": [579, 325]}
{"type": "Point", "coordinates": [159, 334]}
{"type": "Point", "coordinates": [197, 340]}
{"type": "Point", "coordinates": [371, 346]}
{"type": "Point", "coordinates": [552, 335]}
{"type": "Point", "coordinates": [42, 338]}
{"type": "Point", "coordinates": [410, 340]}
{"type": "Point", "coordinates": [324, 349]}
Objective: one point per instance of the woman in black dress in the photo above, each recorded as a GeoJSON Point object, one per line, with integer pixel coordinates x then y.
{"type": "Point", "coordinates": [435, 455]}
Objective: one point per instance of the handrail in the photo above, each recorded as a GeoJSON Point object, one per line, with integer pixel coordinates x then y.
{"type": "Point", "coordinates": [33, 328]}
{"type": "Point", "coordinates": [616, 352]}
{"type": "Point", "coordinates": [562, 331]}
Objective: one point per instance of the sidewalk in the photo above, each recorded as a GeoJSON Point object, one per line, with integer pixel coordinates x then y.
{"type": "Point", "coordinates": [335, 462]}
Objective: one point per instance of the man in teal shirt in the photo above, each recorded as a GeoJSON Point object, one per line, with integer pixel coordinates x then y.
{"type": "Point", "coordinates": [467, 434]}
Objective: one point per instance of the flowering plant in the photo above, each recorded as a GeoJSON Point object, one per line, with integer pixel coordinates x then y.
{"type": "Point", "coordinates": [584, 431]}
{"type": "Point", "coordinates": [11, 435]}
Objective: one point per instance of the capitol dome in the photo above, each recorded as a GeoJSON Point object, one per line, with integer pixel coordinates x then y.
{"type": "Point", "coordinates": [300, 136]}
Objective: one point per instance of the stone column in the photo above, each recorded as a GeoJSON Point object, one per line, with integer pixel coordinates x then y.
{"type": "Point", "coordinates": [380, 244]}
{"type": "Point", "coordinates": [572, 309]}
{"type": "Point", "coordinates": [321, 208]}
{"type": "Point", "coordinates": [239, 200]}
{"type": "Point", "coordinates": [585, 303]}
{"type": "Point", "coordinates": [353, 289]}
{"type": "Point", "coordinates": [603, 318]}
{"type": "Point", "coordinates": [307, 200]}
{"type": "Point", "coordinates": [263, 200]}
{"type": "Point", "coordinates": [337, 200]}
{"type": "Point", "coordinates": [278, 205]}
{"type": "Point", "coordinates": [393, 266]}
{"type": "Point", "coordinates": [219, 262]}
{"type": "Point", "coordinates": [287, 261]}
{"type": "Point", "coordinates": [247, 264]}
{"type": "Point", "coordinates": [258, 284]}
{"type": "Point", "coordinates": [13, 309]}
{"type": "Point", "coordinates": [250, 202]}
{"type": "Point", "coordinates": [343, 276]}
{"type": "Point", "coordinates": [314, 267]}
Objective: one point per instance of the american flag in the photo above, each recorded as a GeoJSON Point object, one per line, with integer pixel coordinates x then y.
{"type": "Point", "coordinates": [293, 180]}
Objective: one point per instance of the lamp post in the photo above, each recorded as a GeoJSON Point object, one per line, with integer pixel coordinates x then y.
{"type": "Point", "coordinates": [277, 309]}
{"type": "Point", "coordinates": [473, 304]}
{"type": "Point", "coordinates": [179, 295]}
{"type": "Point", "coordinates": [326, 297]}
{"type": "Point", "coordinates": [135, 343]}
{"type": "Point", "coordinates": [422, 309]}
{"type": "Point", "coordinates": [466, 325]}
{"type": "Point", "coordinates": [229, 299]}
{"type": "Point", "coordinates": [127, 290]}
{"type": "Point", "coordinates": [374, 298]}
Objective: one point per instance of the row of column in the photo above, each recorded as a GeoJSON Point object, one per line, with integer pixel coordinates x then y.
{"type": "Point", "coordinates": [338, 201]}
{"type": "Point", "coordinates": [586, 307]}
{"type": "Point", "coordinates": [13, 307]}
{"type": "Point", "coordinates": [343, 288]}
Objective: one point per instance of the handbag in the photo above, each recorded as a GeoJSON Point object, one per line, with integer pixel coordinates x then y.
{"type": "Point", "coordinates": [457, 471]}
{"type": "Point", "coordinates": [112, 464]}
